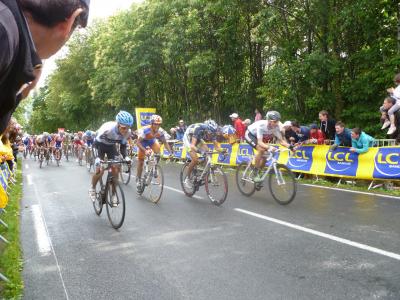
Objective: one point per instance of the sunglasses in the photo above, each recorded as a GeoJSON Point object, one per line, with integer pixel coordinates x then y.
{"type": "Point", "coordinates": [123, 127]}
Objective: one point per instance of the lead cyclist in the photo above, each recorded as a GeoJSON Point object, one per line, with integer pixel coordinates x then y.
{"type": "Point", "coordinates": [262, 130]}
{"type": "Point", "coordinates": [109, 134]}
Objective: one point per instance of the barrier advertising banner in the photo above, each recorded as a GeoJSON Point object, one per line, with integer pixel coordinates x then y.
{"type": "Point", "coordinates": [377, 163]}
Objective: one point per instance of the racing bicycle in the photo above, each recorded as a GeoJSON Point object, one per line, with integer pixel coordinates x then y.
{"type": "Point", "coordinates": [281, 180]}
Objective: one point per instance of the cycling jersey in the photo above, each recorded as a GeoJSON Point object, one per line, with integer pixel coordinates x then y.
{"type": "Point", "coordinates": [148, 137]}
{"type": "Point", "coordinates": [198, 131]}
{"type": "Point", "coordinates": [261, 129]}
{"type": "Point", "coordinates": [89, 140]}
{"type": "Point", "coordinates": [109, 134]}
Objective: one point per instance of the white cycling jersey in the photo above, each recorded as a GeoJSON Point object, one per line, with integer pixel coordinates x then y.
{"type": "Point", "coordinates": [261, 129]}
{"type": "Point", "coordinates": [109, 134]}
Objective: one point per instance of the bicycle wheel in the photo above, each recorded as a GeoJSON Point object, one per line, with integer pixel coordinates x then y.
{"type": "Point", "coordinates": [244, 179]}
{"type": "Point", "coordinates": [188, 191]}
{"type": "Point", "coordinates": [156, 185]}
{"type": "Point", "coordinates": [98, 203]}
{"type": "Point", "coordinates": [282, 184]}
{"type": "Point", "coordinates": [125, 173]}
{"type": "Point", "coordinates": [216, 185]}
{"type": "Point", "coordinates": [115, 204]}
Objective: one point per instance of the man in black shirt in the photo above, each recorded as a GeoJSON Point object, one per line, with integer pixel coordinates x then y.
{"type": "Point", "coordinates": [327, 125]}
{"type": "Point", "coordinates": [32, 30]}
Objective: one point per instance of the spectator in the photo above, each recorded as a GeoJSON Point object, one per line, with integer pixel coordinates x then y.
{"type": "Point", "coordinates": [342, 136]}
{"type": "Point", "coordinates": [239, 126]}
{"type": "Point", "coordinates": [179, 130]}
{"type": "Point", "coordinates": [360, 141]}
{"type": "Point", "coordinates": [302, 132]}
{"type": "Point", "coordinates": [290, 136]}
{"type": "Point", "coordinates": [316, 135]}
{"type": "Point", "coordinates": [388, 103]}
{"type": "Point", "coordinates": [246, 124]}
{"type": "Point", "coordinates": [258, 116]}
{"type": "Point", "coordinates": [327, 125]}
{"type": "Point", "coordinates": [395, 93]}
{"type": "Point", "coordinates": [31, 30]}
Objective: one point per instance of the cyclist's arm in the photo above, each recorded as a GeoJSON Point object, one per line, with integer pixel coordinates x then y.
{"type": "Point", "coordinates": [139, 144]}
{"type": "Point", "coordinates": [122, 148]}
{"type": "Point", "coordinates": [164, 141]}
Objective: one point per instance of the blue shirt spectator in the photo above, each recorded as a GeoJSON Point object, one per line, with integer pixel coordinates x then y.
{"type": "Point", "coordinates": [303, 132]}
{"type": "Point", "coordinates": [343, 135]}
{"type": "Point", "coordinates": [360, 141]}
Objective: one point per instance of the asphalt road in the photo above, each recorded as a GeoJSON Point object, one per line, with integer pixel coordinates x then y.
{"type": "Point", "coordinates": [326, 244]}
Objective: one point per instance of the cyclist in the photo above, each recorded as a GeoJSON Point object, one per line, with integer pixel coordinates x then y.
{"type": "Point", "coordinates": [108, 135]}
{"type": "Point", "coordinates": [89, 138]}
{"type": "Point", "coordinates": [193, 140]}
{"type": "Point", "coordinates": [260, 134]}
{"type": "Point", "coordinates": [78, 144]}
{"type": "Point", "coordinates": [147, 138]}
{"type": "Point", "coordinates": [58, 144]}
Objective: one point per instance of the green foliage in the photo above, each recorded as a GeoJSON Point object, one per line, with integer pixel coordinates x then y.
{"type": "Point", "coordinates": [201, 58]}
{"type": "Point", "coordinates": [11, 254]}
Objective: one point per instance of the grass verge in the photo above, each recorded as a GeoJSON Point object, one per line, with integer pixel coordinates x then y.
{"type": "Point", "coordinates": [10, 254]}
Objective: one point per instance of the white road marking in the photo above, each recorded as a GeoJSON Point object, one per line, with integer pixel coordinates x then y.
{"type": "Point", "coordinates": [26, 166]}
{"type": "Point", "coordinates": [41, 234]}
{"type": "Point", "coordinates": [173, 189]}
{"type": "Point", "coordinates": [29, 179]}
{"type": "Point", "coordinates": [181, 192]}
{"type": "Point", "coordinates": [322, 234]}
{"type": "Point", "coordinates": [39, 208]}
{"type": "Point", "coordinates": [350, 191]}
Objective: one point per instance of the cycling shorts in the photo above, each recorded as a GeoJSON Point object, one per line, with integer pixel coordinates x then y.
{"type": "Point", "coordinates": [103, 149]}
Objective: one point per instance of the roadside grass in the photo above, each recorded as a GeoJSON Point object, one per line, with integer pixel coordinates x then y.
{"type": "Point", "coordinates": [10, 254]}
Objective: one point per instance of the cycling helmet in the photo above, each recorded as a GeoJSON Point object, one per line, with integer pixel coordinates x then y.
{"type": "Point", "coordinates": [273, 115]}
{"type": "Point", "coordinates": [211, 125]}
{"type": "Point", "coordinates": [88, 133]}
{"type": "Point", "coordinates": [156, 119]}
{"type": "Point", "coordinates": [124, 118]}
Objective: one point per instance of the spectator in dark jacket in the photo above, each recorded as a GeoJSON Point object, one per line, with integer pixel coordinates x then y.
{"type": "Point", "coordinates": [31, 30]}
{"type": "Point", "coordinates": [290, 136]}
{"type": "Point", "coordinates": [327, 125]}
{"type": "Point", "coordinates": [342, 136]}
{"type": "Point", "coordinates": [302, 132]}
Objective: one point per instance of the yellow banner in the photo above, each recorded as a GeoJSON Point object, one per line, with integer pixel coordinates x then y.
{"type": "Point", "coordinates": [143, 116]}
{"type": "Point", "coordinates": [377, 163]}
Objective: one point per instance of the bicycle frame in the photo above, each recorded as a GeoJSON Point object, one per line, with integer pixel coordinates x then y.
{"type": "Point", "coordinates": [269, 156]}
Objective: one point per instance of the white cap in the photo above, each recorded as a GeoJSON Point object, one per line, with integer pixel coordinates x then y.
{"type": "Point", "coordinates": [287, 123]}
{"type": "Point", "coordinates": [234, 115]}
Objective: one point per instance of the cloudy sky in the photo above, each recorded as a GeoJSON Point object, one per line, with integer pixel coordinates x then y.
{"type": "Point", "coordinates": [98, 9]}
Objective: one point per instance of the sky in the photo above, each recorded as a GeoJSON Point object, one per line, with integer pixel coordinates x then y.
{"type": "Point", "coordinates": [98, 9]}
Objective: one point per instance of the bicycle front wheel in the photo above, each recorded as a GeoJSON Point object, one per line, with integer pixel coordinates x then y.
{"type": "Point", "coordinates": [98, 203]}
{"type": "Point", "coordinates": [244, 181]}
{"type": "Point", "coordinates": [125, 173]}
{"type": "Point", "coordinates": [156, 185]}
{"type": "Point", "coordinates": [216, 185]}
{"type": "Point", "coordinates": [282, 184]}
{"type": "Point", "coordinates": [188, 189]}
{"type": "Point", "coordinates": [115, 205]}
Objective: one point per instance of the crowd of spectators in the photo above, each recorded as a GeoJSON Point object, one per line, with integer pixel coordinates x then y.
{"type": "Point", "coordinates": [327, 132]}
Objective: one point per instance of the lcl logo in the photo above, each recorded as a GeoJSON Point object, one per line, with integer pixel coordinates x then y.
{"type": "Point", "coordinates": [390, 159]}
{"type": "Point", "coordinates": [339, 156]}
